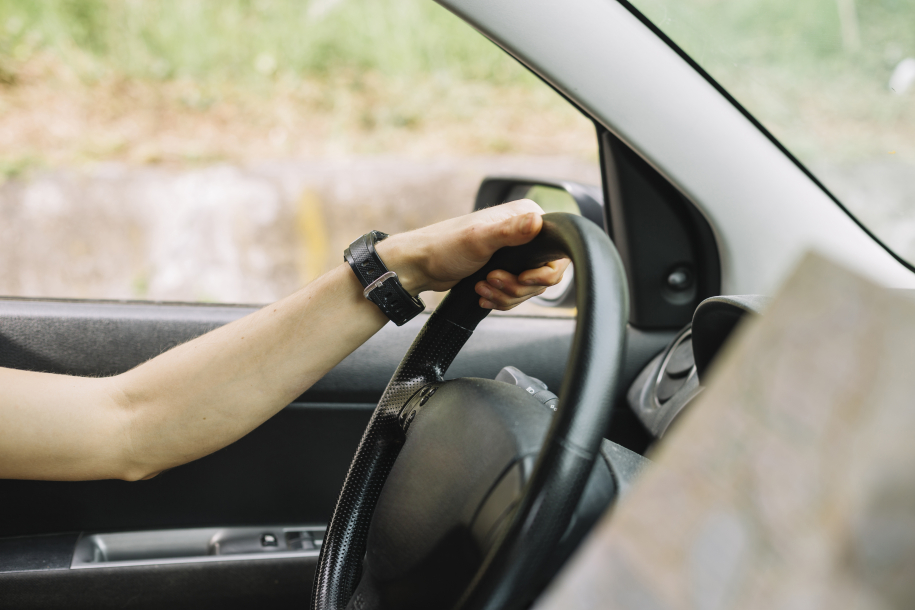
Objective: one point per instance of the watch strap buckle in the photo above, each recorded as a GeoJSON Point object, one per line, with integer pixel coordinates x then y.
{"type": "Point", "coordinates": [381, 280]}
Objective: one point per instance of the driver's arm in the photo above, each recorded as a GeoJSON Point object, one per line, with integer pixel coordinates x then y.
{"type": "Point", "coordinates": [209, 392]}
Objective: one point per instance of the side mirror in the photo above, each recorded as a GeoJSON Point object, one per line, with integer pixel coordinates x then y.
{"type": "Point", "coordinates": [553, 196]}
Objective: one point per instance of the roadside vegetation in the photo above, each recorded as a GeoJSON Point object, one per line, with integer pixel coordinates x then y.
{"type": "Point", "coordinates": [253, 41]}
{"type": "Point", "coordinates": [198, 81]}
{"type": "Point", "coordinates": [201, 80]}
{"type": "Point", "coordinates": [816, 72]}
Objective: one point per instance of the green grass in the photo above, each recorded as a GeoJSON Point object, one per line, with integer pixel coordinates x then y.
{"type": "Point", "coordinates": [250, 40]}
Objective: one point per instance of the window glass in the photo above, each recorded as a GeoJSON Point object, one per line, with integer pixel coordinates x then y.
{"type": "Point", "coordinates": [552, 199]}
{"type": "Point", "coordinates": [832, 80]}
{"type": "Point", "coordinates": [229, 150]}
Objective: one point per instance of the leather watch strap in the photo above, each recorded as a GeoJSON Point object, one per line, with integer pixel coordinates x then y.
{"type": "Point", "coordinates": [382, 286]}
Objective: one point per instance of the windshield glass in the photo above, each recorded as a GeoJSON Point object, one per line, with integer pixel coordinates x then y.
{"type": "Point", "coordinates": [832, 80]}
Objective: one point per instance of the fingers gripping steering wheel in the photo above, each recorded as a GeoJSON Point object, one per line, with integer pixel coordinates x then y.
{"type": "Point", "coordinates": [435, 540]}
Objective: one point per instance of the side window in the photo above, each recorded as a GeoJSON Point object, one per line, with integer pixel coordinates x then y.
{"type": "Point", "coordinates": [229, 150]}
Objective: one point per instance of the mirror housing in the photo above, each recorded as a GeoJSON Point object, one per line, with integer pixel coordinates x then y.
{"type": "Point", "coordinates": [495, 190]}
{"type": "Point", "coordinates": [583, 199]}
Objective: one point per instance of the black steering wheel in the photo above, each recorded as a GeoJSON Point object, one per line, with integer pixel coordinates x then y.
{"type": "Point", "coordinates": [461, 491]}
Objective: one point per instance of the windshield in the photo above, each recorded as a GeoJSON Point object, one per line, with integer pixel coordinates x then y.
{"type": "Point", "coordinates": [832, 80]}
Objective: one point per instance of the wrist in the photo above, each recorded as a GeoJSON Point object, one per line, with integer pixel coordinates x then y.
{"type": "Point", "coordinates": [404, 257]}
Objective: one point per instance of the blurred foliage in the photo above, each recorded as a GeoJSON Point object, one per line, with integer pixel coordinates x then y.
{"type": "Point", "coordinates": [797, 34]}
{"type": "Point", "coordinates": [14, 167]}
{"type": "Point", "coordinates": [201, 81]}
{"type": "Point", "coordinates": [815, 72]}
{"type": "Point", "coordinates": [250, 40]}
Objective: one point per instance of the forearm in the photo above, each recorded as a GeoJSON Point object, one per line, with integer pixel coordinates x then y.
{"type": "Point", "coordinates": [213, 390]}
{"type": "Point", "coordinates": [187, 402]}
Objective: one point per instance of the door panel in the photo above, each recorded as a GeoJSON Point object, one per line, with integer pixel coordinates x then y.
{"type": "Point", "coordinates": [104, 338]}
{"type": "Point", "coordinates": [288, 471]}
{"type": "Point", "coordinates": [279, 583]}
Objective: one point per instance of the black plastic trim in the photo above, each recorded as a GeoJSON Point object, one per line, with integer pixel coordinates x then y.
{"type": "Point", "coordinates": [288, 470]}
{"type": "Point", "coordinates": [657, 231]}
{"type": "Point", "coordinates": [230, 585]}
{"type": "Point", "coordinates": [714, 323]}
{"type": "Point", "coordinates": [36, 553]}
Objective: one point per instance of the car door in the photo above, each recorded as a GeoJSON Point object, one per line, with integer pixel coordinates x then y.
{"type": "Point", "coordinates": [281, 480]}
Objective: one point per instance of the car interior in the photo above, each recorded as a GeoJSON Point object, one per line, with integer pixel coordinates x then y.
{"type": "Point", "coordinates": [264, 523]}
{"type": "Point", "coordinates": [245, 525]}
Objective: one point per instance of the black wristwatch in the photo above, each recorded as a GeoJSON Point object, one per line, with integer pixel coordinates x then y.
{"type": "Point", "coordinates": [381, 285]}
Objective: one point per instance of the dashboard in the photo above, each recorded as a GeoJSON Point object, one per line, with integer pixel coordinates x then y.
{"type": "Point", "coordinates": [671, 380]}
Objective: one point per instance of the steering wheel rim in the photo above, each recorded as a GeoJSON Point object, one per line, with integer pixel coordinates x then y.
{"type": "Point", "coordinates": [569, 450]}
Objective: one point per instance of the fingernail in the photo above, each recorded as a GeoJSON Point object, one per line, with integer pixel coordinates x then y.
{"type": "Point", "coordinates": [497, 283]}
{"type": "Point", "coordinates": [527, 282]}
{"type": "Point", "coordinates": [486, 304]}
{"type": "Point", "coordinates": [528, 224]}
{"type": "Point", "coordinates": [484, 291]}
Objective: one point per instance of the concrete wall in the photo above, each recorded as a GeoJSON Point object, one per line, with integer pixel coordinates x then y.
{"type": "Point", "coordinates": [225, 233]}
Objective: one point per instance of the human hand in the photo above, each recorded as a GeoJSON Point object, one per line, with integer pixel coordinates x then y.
{"type": "Point", "coordinates": [438, 256]}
